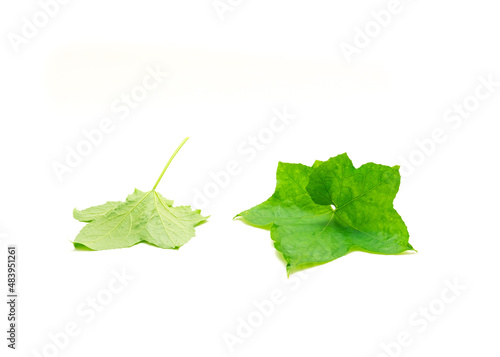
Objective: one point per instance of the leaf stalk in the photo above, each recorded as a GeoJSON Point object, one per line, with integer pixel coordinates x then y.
{"type": "Point", "coordinates": [169, 161]}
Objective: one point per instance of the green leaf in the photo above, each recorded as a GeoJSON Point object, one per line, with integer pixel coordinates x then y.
{"type": "Point", "coordinates": [320, 213]}
{"type": "Point", "coordinates": [170, 227]}
{"type": "Point", "coordinates": [92, 213]}
{"type": "Point", "coordinates": [143, 217]}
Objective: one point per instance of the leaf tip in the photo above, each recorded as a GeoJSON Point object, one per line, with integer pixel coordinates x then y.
{"type": "Point", "coordinates": [238, 215]}
{"type": "Point", "coordinates": [80, 246]}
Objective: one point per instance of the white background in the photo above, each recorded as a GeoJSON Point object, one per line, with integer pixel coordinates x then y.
{"type": "Point", "coordinates": [226, 78]}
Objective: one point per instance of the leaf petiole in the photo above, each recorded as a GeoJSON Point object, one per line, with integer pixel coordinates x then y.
{"type": "Point", "coordinates": [169, 161]}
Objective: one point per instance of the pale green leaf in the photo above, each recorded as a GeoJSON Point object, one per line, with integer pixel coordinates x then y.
{"type": "Point", "coordinates": [144, 217]}
{"type": "Point", "coordinates": [92, 213]}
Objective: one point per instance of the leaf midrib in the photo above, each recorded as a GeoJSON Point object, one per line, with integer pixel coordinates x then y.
{"type": "Point", "coordinates": [365, 193]}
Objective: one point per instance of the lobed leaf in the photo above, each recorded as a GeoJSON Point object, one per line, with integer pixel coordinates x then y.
{"type": "Point", "coordinates": [318, 214]}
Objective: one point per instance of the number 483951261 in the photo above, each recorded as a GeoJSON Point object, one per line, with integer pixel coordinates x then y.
{"type": "Point", "coordinates": [11, 269]}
